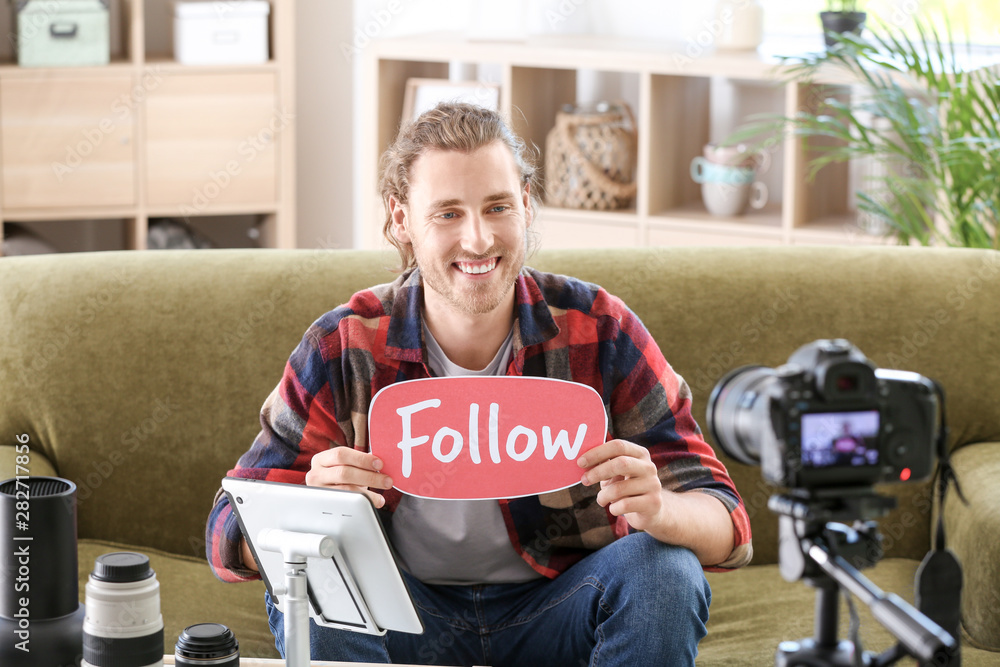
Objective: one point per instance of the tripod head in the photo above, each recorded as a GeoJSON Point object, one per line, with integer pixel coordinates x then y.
{"type": "Point", "coordinates": [828, 555]}
{"type": "Point", "coordinates": [823, 517]}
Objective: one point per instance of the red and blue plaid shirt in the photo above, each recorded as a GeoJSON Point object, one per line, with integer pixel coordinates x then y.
{"type": "Point", "coordinates": [565, 329]}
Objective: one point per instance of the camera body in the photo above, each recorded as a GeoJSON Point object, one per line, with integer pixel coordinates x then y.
{"type": "Point", "coordinates": [828, 420]}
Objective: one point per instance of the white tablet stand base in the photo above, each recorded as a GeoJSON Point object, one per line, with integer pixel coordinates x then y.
{"type": "Point", "coordinates": [296, 548]}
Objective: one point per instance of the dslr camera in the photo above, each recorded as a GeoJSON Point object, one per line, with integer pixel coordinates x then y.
{"type": "Point", "coordinates": [828, 420]}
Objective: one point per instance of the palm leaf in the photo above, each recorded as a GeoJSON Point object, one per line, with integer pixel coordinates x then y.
{"type": "Point", "coordinates": [941, 132]}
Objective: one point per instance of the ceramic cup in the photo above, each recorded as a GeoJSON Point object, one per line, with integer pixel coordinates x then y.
{"type": "Point", "coordinates": [733, 156]}
{"type": "Point", "coordinates": [739, 155]}
{"type": "Point", "coordinates": [704, 171]}
{"type": "Point", "coordinates": [731, 199]}
{"type": "Point", "coordinates": [728, 190]}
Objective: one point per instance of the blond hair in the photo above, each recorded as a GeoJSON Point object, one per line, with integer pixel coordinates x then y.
{"type": "Point", "coordinates": [449, 126]}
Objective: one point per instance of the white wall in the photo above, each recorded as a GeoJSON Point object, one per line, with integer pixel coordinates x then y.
{"type": "Point", "coordinates": [325, 120]}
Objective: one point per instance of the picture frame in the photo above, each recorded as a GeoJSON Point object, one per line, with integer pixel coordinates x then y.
{"type": "Point", "coordinates": [423, 94]}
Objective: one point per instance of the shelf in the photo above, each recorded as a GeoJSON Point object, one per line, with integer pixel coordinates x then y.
{"type": "Point", "coordinates": [15, 71]}
{"type": "Point", "coordinates": [693, 225]}
{"type": "Point", "coordinates": [624, 217]}
{"type": "Point", "coordinates": [262, 208]}
{"type": "Point", "coordinates": [75, 213]}
{"type": "Point", "coordinates": [168, 65]}
{"type": "Point", "coordinates": [580, 52]}
{"type": "Point", "coordinates": [694, 217]}
{"type": "Point", "coordinates": [538, 77]}
{"type": "Point", "coordinates": [587, 232]}
{"type": "Point", "coordinates": [147, 136]}
{"type": "Point", "coordinates": [683, 101]}
{"type": "Point", "coordinates": [97, 233]}
{"type": "Point", "coordinates": [837, 230]}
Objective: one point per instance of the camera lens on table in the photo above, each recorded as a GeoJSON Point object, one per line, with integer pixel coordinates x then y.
{"type": "Point", "coordinates": [207, 644]}
{"type": "Point", "coordinates": [123, 626]}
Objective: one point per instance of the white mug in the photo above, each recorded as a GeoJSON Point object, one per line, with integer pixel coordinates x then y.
{"type": "Point", "coordinates": [731, 199]}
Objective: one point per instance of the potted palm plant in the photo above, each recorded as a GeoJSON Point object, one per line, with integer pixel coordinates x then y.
{"type": "Point", "coordinates": [841, 16]}
{"type": "Point", "coordinates": [928, 115]}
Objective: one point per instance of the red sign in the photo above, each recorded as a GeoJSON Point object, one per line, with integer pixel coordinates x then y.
{"type": "Point", "coordinates": [464, 438]}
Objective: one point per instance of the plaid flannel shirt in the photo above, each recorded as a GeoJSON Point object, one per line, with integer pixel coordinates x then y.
{"type": "Point", "coordinates": [565, 329]}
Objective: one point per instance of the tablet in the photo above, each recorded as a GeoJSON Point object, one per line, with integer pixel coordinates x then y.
{"type": "Point", "coordinates": [361, 587]}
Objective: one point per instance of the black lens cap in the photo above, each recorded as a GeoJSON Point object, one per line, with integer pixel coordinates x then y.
{"type": "Point", "coordinates": [122, 567]}
{"type": "Point", "coordinates": [206, 641]}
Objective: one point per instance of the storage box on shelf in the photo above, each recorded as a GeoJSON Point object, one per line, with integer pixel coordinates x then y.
{"type": "Point", "coordinates": [674, 118]}
{"type": "Point", "coordinates": [70, 32]}
{"type": "Point", "coordinates": [211, 34]}
{"type": "Point", "coordinates": [146, 136]}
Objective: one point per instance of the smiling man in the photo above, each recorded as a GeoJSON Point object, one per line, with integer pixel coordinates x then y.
{"type": "Point", "coordinates": [609, 572]}
{"type": "Point", "coordinates": [465, 220]}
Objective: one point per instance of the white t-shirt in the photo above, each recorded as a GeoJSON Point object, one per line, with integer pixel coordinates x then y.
{"type": "Point", "coordinates": [457, 541]}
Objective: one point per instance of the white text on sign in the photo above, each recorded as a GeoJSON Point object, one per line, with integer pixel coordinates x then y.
{"type": "Point", "coordinates": [550, 446]}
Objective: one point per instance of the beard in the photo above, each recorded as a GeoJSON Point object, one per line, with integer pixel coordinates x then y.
{"type": "Point", "coordinates": [472, 298]}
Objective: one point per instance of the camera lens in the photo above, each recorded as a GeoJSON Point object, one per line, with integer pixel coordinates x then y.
{"type": "Point", "coordinates": [207, 644]}
{"type": "Point", "coordinates": [738, 413]}
{"type": "Point", "coordinates": [123, 626]}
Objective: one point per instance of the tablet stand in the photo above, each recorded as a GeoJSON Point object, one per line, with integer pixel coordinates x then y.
{"type": "Point", "coordinates": [296, 548]}
{"type": "Point", "coordinates": [352, 577]}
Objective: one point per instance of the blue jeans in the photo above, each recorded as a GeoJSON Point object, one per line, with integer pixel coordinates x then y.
{"type": "Point", "coordinates": [634, 602]}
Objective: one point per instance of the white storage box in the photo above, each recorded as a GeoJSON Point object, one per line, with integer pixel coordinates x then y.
{"type": "Point", "coordinates": [224, 32]}
{"type": "Point", "coordinates": [62, 34]}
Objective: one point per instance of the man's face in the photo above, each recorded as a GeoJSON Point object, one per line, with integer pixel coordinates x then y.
{"type": "Point", "coordinates": [466, 219]}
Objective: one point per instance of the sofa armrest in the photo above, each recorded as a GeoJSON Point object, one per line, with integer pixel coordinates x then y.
{"type": "Point", "coordinates": [36, 464]}
{"type": "Point", "coordinates": [972, 531]}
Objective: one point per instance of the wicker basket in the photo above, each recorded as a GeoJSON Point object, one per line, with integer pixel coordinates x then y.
{"type": "Point", "coordinates": [590, 158]}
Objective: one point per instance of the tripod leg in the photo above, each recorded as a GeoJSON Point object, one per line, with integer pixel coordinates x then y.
{"type": "Point", "coordinates": [827, 614]}
{"type": "Point", "coordinates": [824, 649]}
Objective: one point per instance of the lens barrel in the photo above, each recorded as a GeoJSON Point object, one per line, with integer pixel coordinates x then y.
{"type": "Point", "coordinates": [207, 644]}
{"type": "Point", "coordinates": [737, 414]}
{"type": "Point", "coordinates": [123, 626]}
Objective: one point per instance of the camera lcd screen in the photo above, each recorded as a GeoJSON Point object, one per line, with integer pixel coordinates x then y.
{"type": "Point", "coordinates": [840, 439]}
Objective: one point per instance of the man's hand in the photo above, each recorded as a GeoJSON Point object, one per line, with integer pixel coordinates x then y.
{"type": "Point", "coordinates": [629, 485]}
{"type": "Point", "coordinates": [248, 561]}
{"type": "Point", "coordinates": [347, 468]}
{"type": "Point", "coordinates": [339, 468]}
{"type": "Point", "coordinates": [631, 488]}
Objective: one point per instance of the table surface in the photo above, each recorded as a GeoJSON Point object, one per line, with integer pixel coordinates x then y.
{"type": "Point", "coordinates": [271, 662]}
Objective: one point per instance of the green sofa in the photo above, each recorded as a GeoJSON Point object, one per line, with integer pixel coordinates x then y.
{"type": "Point", "coordinates": [139, 376]}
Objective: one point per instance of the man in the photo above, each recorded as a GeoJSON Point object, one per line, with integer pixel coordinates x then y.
{"type": "Point", "coordinates": [608, 572]}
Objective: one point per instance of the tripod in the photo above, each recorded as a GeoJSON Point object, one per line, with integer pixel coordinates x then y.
{"type": "Point", "coordinates": [813, 547]}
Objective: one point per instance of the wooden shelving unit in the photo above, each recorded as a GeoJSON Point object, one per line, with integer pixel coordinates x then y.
{"type": "Point", "coordinates": [673, 116]}
{"type": "Point", "coordinates": [148, 137]}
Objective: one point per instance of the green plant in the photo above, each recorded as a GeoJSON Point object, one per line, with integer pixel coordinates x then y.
{"type": "Point", "coordinates": [938, 129]}
{"type": "Point", "coordinates": [842, 6]}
